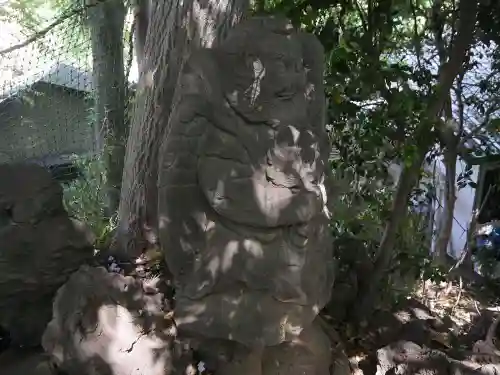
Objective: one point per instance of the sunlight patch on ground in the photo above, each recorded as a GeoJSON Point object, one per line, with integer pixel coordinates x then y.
{"type": "Point", "coordinates": [452, 301]}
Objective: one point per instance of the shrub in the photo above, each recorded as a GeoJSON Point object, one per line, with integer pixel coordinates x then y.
{"type": "Point", "coordinates": [85, 198]}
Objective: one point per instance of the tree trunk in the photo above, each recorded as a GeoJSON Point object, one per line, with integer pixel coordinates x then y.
{"type": "Point", "coordinates": [446, 222]}
{"type": "Point", "coordinates": [142, 14]}
{"type": "Point", "coordinates": [175, 29]}
{"type": "Point", "coordinates": [106, 22]}
{"type": "Point", "coordinates": [450, 140]}
{"type": "Point", "coordinates": [410, 174]}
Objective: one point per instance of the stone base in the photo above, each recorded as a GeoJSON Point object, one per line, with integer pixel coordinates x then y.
{"type": "Point", "coordinates": [308, 354]}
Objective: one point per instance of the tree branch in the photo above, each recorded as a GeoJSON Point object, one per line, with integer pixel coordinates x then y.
{"type": "Point", "coordinates": [416, 39]}
{"type": "Point", "coordinates": [410, 174]}
{"type": "Point", "coordinates": [479, 128]}
{"type": "Point", "coordinates": [362, 16]}
{"type": "Point", "coordinates": [467, 22]}
{"type": "Point", "coordinates": [43, 32]}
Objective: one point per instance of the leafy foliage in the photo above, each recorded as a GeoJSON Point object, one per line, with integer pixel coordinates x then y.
{"type": "Point", "coordinates": [383, 64]}
{"type": "Point", "coordinates": [383, 60]}
{"type": "Point", "coordinates": [85, 198]}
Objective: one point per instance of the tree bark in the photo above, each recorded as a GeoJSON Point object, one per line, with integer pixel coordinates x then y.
{"type": "Point", "coordinates": [451, 141]}
{"type": "Point", "coordinates": [410, 174]}
{"type": "Point", "coordinates": [175, 29]}
{"type": "Point", "coordinates": [106, 22]}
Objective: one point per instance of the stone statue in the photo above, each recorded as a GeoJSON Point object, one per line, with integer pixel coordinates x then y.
{"type": "Point", "coordinates": [243, 223]}
{"type": "Point", "coordinates": [41, 246]}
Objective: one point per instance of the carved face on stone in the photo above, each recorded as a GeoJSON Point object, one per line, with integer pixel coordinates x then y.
{"type": "Point", "coordinates": [267, 80]}
{"type": "Point", "coordinates": [267, 83]}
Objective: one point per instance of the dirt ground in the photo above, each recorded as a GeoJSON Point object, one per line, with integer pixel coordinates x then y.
{"type": "Point", "coordinates": [449, 317]}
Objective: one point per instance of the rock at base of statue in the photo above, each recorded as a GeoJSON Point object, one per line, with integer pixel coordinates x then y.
{"type": "Point", "coordinates": [311, 353]}
{"type": "Point", "coordinates": [107, 323]}
{"type": "Point", "coordinates": [249, 317]}
{"type": "Point", "coordinates": [40, 247]}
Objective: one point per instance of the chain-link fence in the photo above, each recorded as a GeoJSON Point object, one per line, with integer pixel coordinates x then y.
{"type": "Point", "coordinates": [47, 89]}
{"type": "Point", "coordinates": [51, 109]}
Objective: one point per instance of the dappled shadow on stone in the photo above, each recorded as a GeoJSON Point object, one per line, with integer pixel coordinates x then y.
{"type": "Point", "coordinates": [309, 353]}
{"type": "Point", "coordinates": [104, 319]}
{"type": "Point", "coordinates": [242, 219]}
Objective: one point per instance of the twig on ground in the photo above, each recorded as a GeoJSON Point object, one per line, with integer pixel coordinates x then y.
{"type": "Point", "coordinates": [477, 307]}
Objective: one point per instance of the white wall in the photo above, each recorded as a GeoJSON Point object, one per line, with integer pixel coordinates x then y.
{"type": "Point", "coordinates": [464, 206]}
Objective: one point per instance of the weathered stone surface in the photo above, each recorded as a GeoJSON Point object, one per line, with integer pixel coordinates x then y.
{"type": "Point", "coordinates": [243, 224]}
{"type": "Point", "coordinates": [105, 323]}
{"type": "Point", "coordinates": [40, 247]}
{"type": "Point", "coordinates": [28, 194]}
{"type": "Point", "coordinates": [309, 353]}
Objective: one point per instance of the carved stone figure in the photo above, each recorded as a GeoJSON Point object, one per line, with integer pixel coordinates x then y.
{"type": "Point", "coordinates": [243, 223]}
